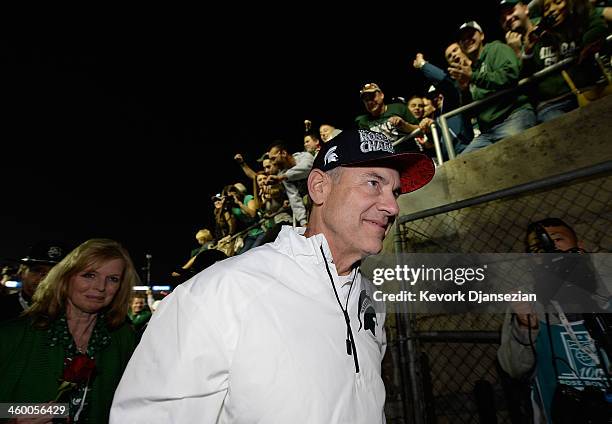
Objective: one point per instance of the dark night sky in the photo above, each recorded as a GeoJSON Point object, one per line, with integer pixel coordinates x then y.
{"type": "Point", "coordinates": [124, 128]}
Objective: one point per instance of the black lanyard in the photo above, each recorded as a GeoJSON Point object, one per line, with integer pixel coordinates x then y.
{"type": "Point", "coordinates": [350, 340]}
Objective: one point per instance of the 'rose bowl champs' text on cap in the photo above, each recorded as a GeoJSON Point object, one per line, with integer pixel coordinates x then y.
{"type": "Point", "coordinates": [366, 148]}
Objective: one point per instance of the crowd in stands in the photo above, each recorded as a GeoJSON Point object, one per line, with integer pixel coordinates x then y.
{"type": "Point", "coordinates": [536, 35]}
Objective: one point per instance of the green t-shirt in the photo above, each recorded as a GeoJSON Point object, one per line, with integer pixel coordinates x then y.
{"type": "Point", "coordinates": [246, 220]}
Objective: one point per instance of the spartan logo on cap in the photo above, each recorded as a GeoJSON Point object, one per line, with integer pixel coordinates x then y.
{"type": "Point", "coordinates": [366, 309]}
{"type": "Point", "coordinates": [374, 142]}
{"type": "Point", "coordinates": [330, 156]}
{"type": "Point", "coordinates": [55, 252]}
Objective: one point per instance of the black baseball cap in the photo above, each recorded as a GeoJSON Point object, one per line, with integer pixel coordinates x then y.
{"type": "Point", "coordinates": [366, 148]}
{"type": "Point", "coordinates": [45, 252]}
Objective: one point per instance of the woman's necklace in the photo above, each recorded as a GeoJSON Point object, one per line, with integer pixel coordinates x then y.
{"type": "Point", "coordinates": [81, 339]}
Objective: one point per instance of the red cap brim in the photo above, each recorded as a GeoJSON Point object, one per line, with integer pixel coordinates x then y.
{"type": "Point", "coordinates": [415, 169]}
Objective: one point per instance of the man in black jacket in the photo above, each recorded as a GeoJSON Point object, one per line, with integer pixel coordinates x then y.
{"type": "Point", "coordinates": [34, 267]}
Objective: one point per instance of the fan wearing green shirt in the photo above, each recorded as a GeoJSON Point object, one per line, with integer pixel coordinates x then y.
{"type": "Point", "coordinates": [494, 67]}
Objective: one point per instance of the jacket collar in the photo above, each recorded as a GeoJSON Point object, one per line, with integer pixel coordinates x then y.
{"type": "Point", "coordinates": [292, 240]}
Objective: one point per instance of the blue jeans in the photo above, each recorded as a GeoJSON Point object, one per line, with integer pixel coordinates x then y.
{"type": "Point", "coordinates": [518, 121]}
{"type": "Point", "coordinates": [552, 110]}
{"type": "Point", "coordinates": [251, 242]}
{"type": "Point", "coordinates": [459, 147]}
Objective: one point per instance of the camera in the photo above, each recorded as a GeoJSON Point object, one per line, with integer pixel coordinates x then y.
{"type": "Point", "coordinates": [546, 23]}
{"type": "Point", "coordinates": [570, 405]}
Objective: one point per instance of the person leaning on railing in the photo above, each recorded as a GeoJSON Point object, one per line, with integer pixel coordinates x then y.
{"type": "Point", "coordinates": [568, 28]}
{"type": "Point", "coordinates": [448, 96]}
{"type": "Point", "coordinates": [494, 67]}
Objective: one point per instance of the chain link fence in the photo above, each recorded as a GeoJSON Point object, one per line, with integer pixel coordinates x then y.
{"type": "Point", "coordinates": [442, 368]}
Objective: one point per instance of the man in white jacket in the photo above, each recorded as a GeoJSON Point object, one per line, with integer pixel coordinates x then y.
{"type": "Point", "coordinates": [286, 332]}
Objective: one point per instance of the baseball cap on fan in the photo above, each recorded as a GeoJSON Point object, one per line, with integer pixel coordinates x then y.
{"type": "Point", "coordinates": [509, 3]}
{"type": "Point", "coordinates": [370, 87]}
{"type": "Point", "coordinates": [45, 252]}
{"type": "Point", "coordinates": [470, 25]}
{"type": "Point", "coordinates": [366, 148]}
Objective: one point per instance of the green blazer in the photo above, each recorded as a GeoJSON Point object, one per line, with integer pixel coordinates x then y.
{"type": "Point", "coordinates": [31, 369]}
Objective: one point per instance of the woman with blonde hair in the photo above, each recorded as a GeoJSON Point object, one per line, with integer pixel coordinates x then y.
{"type": "Point", "coordinates": [72, 345]}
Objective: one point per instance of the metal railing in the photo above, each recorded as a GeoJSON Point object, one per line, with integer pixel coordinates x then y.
{"type": "Point", "coordinates": [443, 119]}
{"type": "Point", "coordinates": [522, 83]}
{"type": "Point", "coordinates": [544, 183]}
{"type": "Point", "coordinates": [418, 132]}
{"type": "Point", "coordinates": [478, 103]}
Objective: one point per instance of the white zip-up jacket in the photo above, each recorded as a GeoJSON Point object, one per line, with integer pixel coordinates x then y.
{"type": "Point", "coordinates": [260, 338]}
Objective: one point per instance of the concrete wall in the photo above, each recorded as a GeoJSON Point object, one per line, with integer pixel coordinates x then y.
{"type": "Point", "coordinates": [576, 140]}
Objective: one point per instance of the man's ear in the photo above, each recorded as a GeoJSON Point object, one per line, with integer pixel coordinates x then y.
{"type": "Point", "coordinates": [580, 244]}
{"type": "Point", "coordinates": [318, 186]}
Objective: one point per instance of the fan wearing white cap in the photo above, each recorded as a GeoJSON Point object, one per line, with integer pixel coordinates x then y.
{"type": "Point", "coordinates": [494, 67]}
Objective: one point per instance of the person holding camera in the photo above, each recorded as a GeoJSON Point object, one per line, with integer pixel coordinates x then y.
{"type": "Point", "coordinates": [568, 28]}
{"type": "Point", "coordinates": [245, 209]}
{"type": "Point", "coordinates": [225, 222]}
{"type": "Point", "coordinates": [550, 349]}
